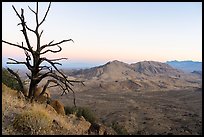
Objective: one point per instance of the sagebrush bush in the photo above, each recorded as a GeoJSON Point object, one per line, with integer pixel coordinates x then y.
{"type": "Point", "coordinates": [33, 122]}
{"type": "Point", "coordinates": [81, 111]}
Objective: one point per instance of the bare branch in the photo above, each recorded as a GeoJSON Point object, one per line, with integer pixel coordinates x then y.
{"type": "Point", "coordinates": [22, 16]}
{"type": "Point", "coordinates": [77, 81]}
{"type": "Point", "coordinates": [57, 63]}
{"type": "Point", "coordinates": [32, 10]}
{"type": "Point", "coordinates": [16, 45]}
{"type": "Point", "coordinates": [24, 28]}
{"type": "Point", "coordinates": [58, 59]}
{"type": "Point", "coordinates": [54, 51]}
{"type": "Point", "coordinates": [64, 90]}
{"type": "Point", "coordinates": [46, 85]}
{"type": "Point", "coordinates": [16, 62]}
{"type": "Point", "coordinates": [20, 62]}
{"type": "Point", "coordinates": [41, 33]}
{"type": "Point", "coordinates": [45, 14]}
{"type": "Point", "coordinates": [20, 23]}
{"type": "Point", "coordinates": [49, 61]}
{"type": "Point", "coordinates": [28, 58]}
{"type": "Point", "coordinates": [51, 42]}
{"type": "Point", "coordinates": [57, 84]}
{"type": "Point", "coordinates": [61, 42]}
{"type": "Point", "coordinates": [42, 76]}
{"type": "Point", "coordinates": [50, 45]}
{"type": "Point", "coordinates": [37, 8]}
{"type": "Point", "coordinates": [28, 76]}
{"type": "Point", "coordinates": [53, 64]}
{"type": "Point", "coordinates": [45, 67]}
{"type": "Point", "coordinates": [16, 12]}
{"type": "Point", "coordinates": [27, 55]}
{"type": "Point", "coordinates": [53, 86]}
{"type": "Point", "coordinates": [63, 76]}
{"type": "Point", "coordinates": [22, 89]}
{"type": "Point", "coordinates": [29, 29]}
{"type": "Point", "coordinates": [37, 24]}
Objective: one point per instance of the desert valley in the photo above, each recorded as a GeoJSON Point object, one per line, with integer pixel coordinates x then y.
{"type": "Point", "coordinates": [146, 97]}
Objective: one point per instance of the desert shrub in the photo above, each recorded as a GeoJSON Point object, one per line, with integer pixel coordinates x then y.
{"type": "Point", "coordinates": [119, 129]}
{"type": "Point", "coordinates": [81, 111]}
{"type": "Point", "coordinates": [9, 80]}
{"type": "Point", "coordinates": [33, 122]}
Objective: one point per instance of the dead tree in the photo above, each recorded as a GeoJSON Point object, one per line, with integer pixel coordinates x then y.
{"type": "Point", "coordinates": [34, 58]}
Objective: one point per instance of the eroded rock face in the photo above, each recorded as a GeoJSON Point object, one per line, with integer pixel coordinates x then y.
{"type": "Point", "coordinates": [58, 106]}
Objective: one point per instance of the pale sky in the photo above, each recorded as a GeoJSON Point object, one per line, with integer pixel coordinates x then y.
{"type": "Point", "coordinates": [105, 31]}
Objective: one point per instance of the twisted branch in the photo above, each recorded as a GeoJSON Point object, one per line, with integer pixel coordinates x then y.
{"type": "Point", "coordinates": [50, 44]}
{"type": "Point", "coordinates": [54, 51]}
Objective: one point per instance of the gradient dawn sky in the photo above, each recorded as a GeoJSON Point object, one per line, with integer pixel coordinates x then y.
{"type": "Point", "coordinates": [106, 31]}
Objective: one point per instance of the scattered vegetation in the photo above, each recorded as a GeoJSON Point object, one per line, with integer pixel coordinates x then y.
{"type": "Point", "coordinates": [9, 80]}
{"type": "Point", "coordinates": [119, 129]}
{"type": "Point", "coordinates": [81, 111]}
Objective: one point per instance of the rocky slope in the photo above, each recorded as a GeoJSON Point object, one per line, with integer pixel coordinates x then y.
{"type": "Point", "coordinates": [109, 71]}
{"type": "Point", "coordinates": [22, 118]}
{"type": "Point", "coordinates": [154, 68]}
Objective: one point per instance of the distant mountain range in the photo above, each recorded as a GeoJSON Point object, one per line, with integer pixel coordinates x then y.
{"type": "Point", "coordinates": [117, 69]}
{"type": "Point", "coordinates": [187, 66]}
{"type": "Point", "coordinates": [146, 75]}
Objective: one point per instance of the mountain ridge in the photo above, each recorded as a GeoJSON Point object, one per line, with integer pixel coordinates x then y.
{"type": "Point", "coordinates": [145, 75]}
{"type": "Point", "coordinates": [187, 66]}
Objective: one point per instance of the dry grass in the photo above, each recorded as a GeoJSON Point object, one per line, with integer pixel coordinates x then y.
{"type": "Point", "coordinates": [20, 117]}
{"type": "Point", "coordinates": [33, 122]}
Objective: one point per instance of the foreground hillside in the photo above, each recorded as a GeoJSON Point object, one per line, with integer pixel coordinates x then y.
{"type": "Point", "coordinates": [22, 118]}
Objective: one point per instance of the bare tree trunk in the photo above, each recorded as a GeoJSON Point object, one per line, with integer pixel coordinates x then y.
{"type": "Point", "coordinates": [37, 69]}
{"type": "Point", "coordinates": [32, 88]}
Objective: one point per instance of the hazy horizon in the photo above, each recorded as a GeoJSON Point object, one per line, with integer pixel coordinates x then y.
{"type": "Point", "coordinates": [102, 32]}
{"type": "Point", "coordinates": [73, 64]}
